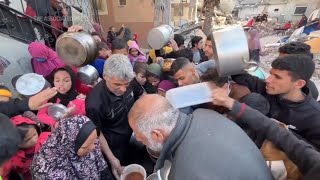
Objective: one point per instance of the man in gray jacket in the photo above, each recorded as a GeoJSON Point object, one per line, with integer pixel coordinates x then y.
{"type": "Point", "coordinates": [203, 145]}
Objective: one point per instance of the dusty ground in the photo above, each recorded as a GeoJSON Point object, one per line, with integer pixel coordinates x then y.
{"type": "Point", "coordinates": [271, 53]}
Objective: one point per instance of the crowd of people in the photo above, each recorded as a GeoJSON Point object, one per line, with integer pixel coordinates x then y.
{"type": "Point", "coordinates": [216, 140]}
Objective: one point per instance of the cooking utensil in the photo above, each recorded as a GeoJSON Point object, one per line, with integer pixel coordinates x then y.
{"type": "Point", "coordinates": [133, 168]}
{"type": "Point", "coordinates": [57, 111]}
{"type": "Point", "coordinates": [231, 52]}
{"type": "Point", "coordinates": [31, 84]}
{"type": "Point", "coordinates": [153, 176]}
{"type": "Point", "coordinates": [88, 74]}
{"type": "Point", "coordinates": [76, 48]}
{"type": "Point", "coordinates": [160, 36]}
{"type": "Point", "coordinates": [190, 95]}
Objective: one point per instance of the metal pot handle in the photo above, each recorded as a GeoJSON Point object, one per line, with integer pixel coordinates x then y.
{"type": "Point", "coordinates": [249, 64]}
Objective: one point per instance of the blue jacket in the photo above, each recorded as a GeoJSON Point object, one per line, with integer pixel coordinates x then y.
{"type": "Point", "coordinates": [98, 64]}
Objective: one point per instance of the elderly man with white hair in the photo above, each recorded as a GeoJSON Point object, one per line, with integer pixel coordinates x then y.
{"type": "Point", "coordinates": [203, 145]}
{"type": "Point", "coordinates": [108, 105]}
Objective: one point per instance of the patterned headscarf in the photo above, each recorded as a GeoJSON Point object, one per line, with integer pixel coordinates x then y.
{"type": "Point", "coordinates": [58, 159]}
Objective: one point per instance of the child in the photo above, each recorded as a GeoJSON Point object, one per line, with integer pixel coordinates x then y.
{"type": "Point", "coordinates": [164, 86]}
{"type": "Point", "coordinates": [154, 75]}
{"type": "Point", "coordinates": [64, 79]}
{"type": "Point", "coordinates": [20, 162]}
{"type": "Point", "coordinates": [103, 53]}
{"type": "Point", "coordinates": [140, 80]}
{"type": "Point", "coordinates": [135, 54]}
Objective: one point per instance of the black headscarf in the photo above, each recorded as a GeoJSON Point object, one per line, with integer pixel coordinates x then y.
{"type": "Point", "coordinates": [71, 94]}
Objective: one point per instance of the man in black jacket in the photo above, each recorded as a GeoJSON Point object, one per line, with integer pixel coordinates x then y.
{"type": "Point", "coordinates": [290, 100]}
{"type": "Point", "coordinates": [301, 153]}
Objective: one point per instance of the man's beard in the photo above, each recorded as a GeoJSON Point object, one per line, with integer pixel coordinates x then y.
{"type": "Point", "coordinates": [154, 146]}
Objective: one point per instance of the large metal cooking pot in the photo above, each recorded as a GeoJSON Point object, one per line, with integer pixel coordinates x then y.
{"type": "Point", "coordinates": [76, 48]}
{"type": "Point", "coordinates": [160, 36]}
{"type": "Point", "coordinates": [57, 111]}
{"type": "Point", "coordinates": [230, 48]}
{"type": "Point", "coordinates": [88, 74]}
{"type": "Point", "coordinates": [31, 84]}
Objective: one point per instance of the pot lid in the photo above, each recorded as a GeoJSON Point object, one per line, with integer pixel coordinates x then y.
{"type": "Point", "coordinates": [30, 84]}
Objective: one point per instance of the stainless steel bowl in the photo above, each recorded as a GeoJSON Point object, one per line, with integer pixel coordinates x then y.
{"type": "Point", "coordinates": [31, 84]}
{"type": "Point", "coordinates": [57, 111]}
{"type": "Point", "coordinates": [88, 74]}
{"type": "Point", "coordinates": [76, 48]}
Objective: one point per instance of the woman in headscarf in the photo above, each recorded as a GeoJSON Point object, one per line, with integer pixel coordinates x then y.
{"type": "Point", "coordinates": [64, 80]}
{"type": "Point", "coordinates": [44, 60]}
{"type": "Point", "coordinates": [72, 151]}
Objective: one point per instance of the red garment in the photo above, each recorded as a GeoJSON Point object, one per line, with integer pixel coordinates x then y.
{"type": "Point", "coordinates": [20, 163]}
{"type": "Point", "coordinates": [287, 26]}
{"type": "Point", "coordinates": [250, 22]}
{"type": "Point", "coordinates": [135, 37]}
{"type": "Point", "coordinates": [46, 119]}
{"type": "Point", "coordinates": [80, 87]}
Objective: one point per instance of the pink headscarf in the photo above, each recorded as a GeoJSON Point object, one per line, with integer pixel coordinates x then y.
{"type": "Point", "coordinates": [53, 62]}
{"type": "Point", "coordinates": [254, 41]}
{"type": "Point", "coordinates": [141, 57]}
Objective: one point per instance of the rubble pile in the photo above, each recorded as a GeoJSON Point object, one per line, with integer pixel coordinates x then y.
{"type": "Point", "coordinates": [271, 53]}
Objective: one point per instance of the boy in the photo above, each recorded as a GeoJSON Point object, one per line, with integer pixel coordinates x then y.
{"type": "Point", "coordinates": [140, 80]}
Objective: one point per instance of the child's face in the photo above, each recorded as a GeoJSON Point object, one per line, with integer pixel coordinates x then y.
{"type": "Point", "coordinates": [30, 139]}
{"type": "Point", "coordinates": [104, 53]}
{"type": "Point", "coordinates": [141, 78]}
{"type": "Point", "coordinates": [161, 92]}
{"type": "Point", "coordinates": [4, 99]}
{"type": "Point", "coordinates": [153, 80]}
{"type": "Point", "coordinates": [134, 52]}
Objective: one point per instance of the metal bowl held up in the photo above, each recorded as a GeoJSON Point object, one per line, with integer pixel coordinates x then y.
{"type": "Point", "coordinates": [31, 84]}
{"type": "Point", "coordinates": [88, 74]}
{"type": "Point", "coordinates": [57, 111]}
{"type": "Point", "coordinates": [231, 52]}
{"type": "Point", "coordinates": [160, 36]}
{"type": "Point", "coordinates": [76, 48]}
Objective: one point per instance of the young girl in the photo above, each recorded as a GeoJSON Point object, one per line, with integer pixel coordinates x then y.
{"type": "Point", "coordinates": [64, 80]}
{"type": "Point", "coordinates": [135, 54]}
{"type": "Point", "coordinates": [72, 151]}
{"type": "Point", "coordinates": [29, 133]}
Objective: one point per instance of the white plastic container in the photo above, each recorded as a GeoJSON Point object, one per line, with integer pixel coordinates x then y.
{"type": "Point", "coordinates": [132, 168]}
{"type": "Point", "coordinates": [189, 95]}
